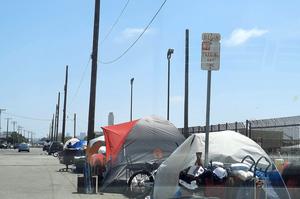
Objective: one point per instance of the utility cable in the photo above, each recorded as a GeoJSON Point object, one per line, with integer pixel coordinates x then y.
{"type": "Point", "coordinates": [115, 23]}
{"type": "Point", "coordinates": [27, 118]}
{"type": "Point", "coordinates": [142, 33]}
{"type": "Point", "coordinates": [80, 82]}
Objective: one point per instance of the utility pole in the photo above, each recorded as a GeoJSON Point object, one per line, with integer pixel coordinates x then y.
{"type": "Point", "coordinates": [55, 121]}
{"type": "Point", "coordinates": [31, 137]}
{"type": "Point", "coordinates": [55, 127]}
{"type": "Point", "coordinates": [14, 125]}
{"type": "Point", "coordinates": [52, 128]}
{"type": "Point", "coordinates": [24, 131]}
{"type": "Point", "coordinates": [65, 108]}
{"type": "Point", "coordinates": [92, 102]}
{"type": "Point", "coordinates": [18, 135]}
{"type": "Point", "coordinates": [57, 117]}
{"type": "Point", "coordinates": [91, 120]}
{"type": "Point", "coordinates": [1, 110]}
{"type": "Point", "coordinates": [131, 94]}
{"type": "Point", "coordinates": [74, 125]}
{"type": "Point", "coordinates": [7, 119]}
{"type": "Point", "coordinates": [186, 88]}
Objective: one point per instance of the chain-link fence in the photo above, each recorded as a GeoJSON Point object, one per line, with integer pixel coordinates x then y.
{"type": "Point", "coordinates": [276, 134]}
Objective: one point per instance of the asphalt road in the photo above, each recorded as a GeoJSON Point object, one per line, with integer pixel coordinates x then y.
{"type": "Point", "coordinates": [35, 175]}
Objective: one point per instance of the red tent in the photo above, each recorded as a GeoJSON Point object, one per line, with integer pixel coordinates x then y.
{"type": "Point", "coordinates": [115, 137]}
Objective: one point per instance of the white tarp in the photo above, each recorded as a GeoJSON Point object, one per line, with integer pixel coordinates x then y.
{"type": "Point", "coordinates": [224, 146]}
{"type": "Point", "coordinates": [97, 139]}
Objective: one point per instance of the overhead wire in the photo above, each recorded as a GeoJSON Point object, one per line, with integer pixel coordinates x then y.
{"type": "Point", "coordinates": [102, 41]}
{"type": "Point", "coordinates": [80, 82]}
{"type": "Point", "coordinates": [138, 38]}
{"type": "Point", "coordinates": [27, 117]}
{"type": "Point", "coordinates": [115, 23]}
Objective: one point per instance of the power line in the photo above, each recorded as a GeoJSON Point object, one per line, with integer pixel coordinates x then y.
{"type": "Point", "coordinates": [81, 81]}
{"type": "Point", "coordinates": [145, 29]}
{"type": "Point", "coordinates": [27, 118]}
{"type": "Point", "coordinates": [115, 23]}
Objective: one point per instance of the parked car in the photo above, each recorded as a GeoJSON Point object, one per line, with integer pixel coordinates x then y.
{"type": "Point", "coordinates": [24, 147]}
{"type": "Point", "coordinates": [55, 147]}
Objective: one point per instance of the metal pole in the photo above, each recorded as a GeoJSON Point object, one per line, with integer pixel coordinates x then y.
{"type": "Point", "coordinates": [169, 53]}
{"type": "Point", "coordinates": [186, 89]}
{"type": "Point", "coordinates": [131, 94]}
{"type": "Point", "coordinates": [91, 120]}
{"type": "Point", "coordinates": [168, 98]}
{"type": "Point", "coordinates": [74, 125]}
{"type": "Point", "coordinates": [207, 117]}
{"type": "Point", "coordinates": [65, 108]}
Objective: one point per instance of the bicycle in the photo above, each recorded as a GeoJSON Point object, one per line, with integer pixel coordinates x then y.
{"type": "Point", "coordinates": [142, 180]}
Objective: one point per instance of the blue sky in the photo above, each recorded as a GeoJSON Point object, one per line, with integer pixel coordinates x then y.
{"type": "Point", "coordinates": [259, 60]}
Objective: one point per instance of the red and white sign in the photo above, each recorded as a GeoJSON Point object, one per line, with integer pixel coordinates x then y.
{"type": "Point", "coordinates": [210, 56]}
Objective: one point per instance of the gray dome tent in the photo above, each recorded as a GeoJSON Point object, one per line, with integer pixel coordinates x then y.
{"type": "Point", "coordinates": [139, 141]}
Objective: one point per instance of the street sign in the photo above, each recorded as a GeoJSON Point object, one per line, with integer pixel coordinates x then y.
{"type": "Point", "coordinates": [210, 55]}
{"type": "Point", "coordinates": [210, 60]}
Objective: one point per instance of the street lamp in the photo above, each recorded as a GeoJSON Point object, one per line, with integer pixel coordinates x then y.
{"type": "Point", "coordinates": [131, 94]}
{"type": "Point", "coordinates": [169, 53]}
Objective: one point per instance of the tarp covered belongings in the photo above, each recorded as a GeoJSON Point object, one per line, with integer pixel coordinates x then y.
{"type": "Point", "coordinates": [75, 143]}
{"type": "Point", "coordinates": [144, 140]}
{"type": "Point", "coordinates": [224, 146]}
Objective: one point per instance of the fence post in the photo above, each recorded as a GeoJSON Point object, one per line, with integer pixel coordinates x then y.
{"type": "Point", "coordinates": [218, 127]}
{"type": "Point", "coordinates": [235, 126]}
{"type": "Point", "coordinates": [211, 128]}
{"type": "Point", "coordinates": [250, 131]}
{"type": "Point", "coordinates": [226, 126]}
{"type": "Point", "coordinates": [247, 123]}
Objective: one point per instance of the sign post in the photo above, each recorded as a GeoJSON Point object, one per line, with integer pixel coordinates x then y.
{"type": "Point", "coordinates": [210, 60]}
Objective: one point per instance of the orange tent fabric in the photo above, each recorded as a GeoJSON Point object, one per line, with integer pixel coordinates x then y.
{"type": "Point", "coordinates": [115, 137]}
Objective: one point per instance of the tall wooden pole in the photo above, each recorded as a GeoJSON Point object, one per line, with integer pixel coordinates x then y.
{"type": "Point", "coordinates": [65, 108]}
{"type": "Point", "coordinates": [91, 121]}
{"type": "Point", "coordinates": [57, 117]}
{"type": "Point", "coordinates": [52, 128]}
